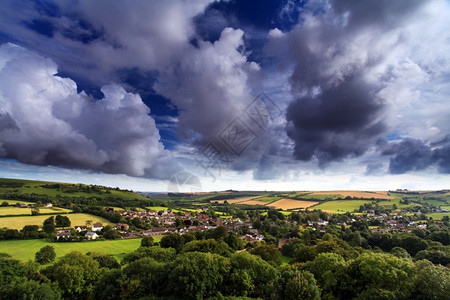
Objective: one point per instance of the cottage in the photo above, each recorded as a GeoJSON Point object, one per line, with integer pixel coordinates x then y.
{"type": "Point", "coordinates": [63, 233]}
{"type": "Point", "coordinates": [80, 228]}
{"type": "Point", "coordinates": [97, 227]}
{"type": "Point", "coordinates": [91, 235]}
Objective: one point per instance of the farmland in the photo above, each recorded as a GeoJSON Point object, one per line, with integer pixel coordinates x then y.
{"type": "Point", "coordinates": [292, 204]}
{"type": "Point", "coordinates": [253, 202]}
{"type": "Point", "coordinates": [341, 206]}
{"type": "Point", "coordinates": [75, 219]}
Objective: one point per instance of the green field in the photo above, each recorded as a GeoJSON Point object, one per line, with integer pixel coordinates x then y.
{"type": "Point", "coordinates": [268, 199]}
{"type": "Point", "coordinates": [340, 206]}
{"type": "Point", "coordinates": [157, 208]}
{"type": "Point", "coordinates": [75, 219]}
{"type": "Point", "coordinates": [390, 203]}
{"type": "Point", "coordinates": [438, 216]}
{"type": "Point", "coordinates": [11, 210]}
{"type": "Point", "coordinates": [26, 249]}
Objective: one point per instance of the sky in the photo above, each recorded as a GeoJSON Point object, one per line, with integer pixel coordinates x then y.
{"type": "Point", "coordinates": [182, 96]}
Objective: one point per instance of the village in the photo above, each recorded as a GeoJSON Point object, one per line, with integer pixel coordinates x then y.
{"type": "Point", "coordinates": [166, 222]}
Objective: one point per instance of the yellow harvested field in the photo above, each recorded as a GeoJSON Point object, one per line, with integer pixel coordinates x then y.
{"type": "Point", "coordinates": [357, 194]}
{"type": "Point", "coordinates": [253, 202]}
{"type": "Point", "coordinates": [291, 204]}
{"type": "Point", "coordinates": [235, 200]}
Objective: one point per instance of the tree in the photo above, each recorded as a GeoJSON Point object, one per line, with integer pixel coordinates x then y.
{"type": "Point", "coordinates": [105, 260]}
{"type": "Point", "coordinates": [400, 252]}
{"type": "Point", "coordinates": [268, 252]}
{"type": "Point", "coordinates": [173, 240]}
{"type": "Point", "coordinates": [62, 221]}
{"type": "Point", "coordinates": [197, 275]}
{"type": "Point", "coordinates": [45, 255]}
{"type": "Point", "coordinates": [147, 241]}
{"type": "Point", "coordinates": [75, 273]}
{"type": "Point", "coordinates": [109, 233]}
{"type": "Point", "coordinates": [380, 275]}
{"type": "Point", "coordinates": [30, 231]}
{"type": "Point", "coordinates": [330, 271]}
{"type": "Point", "coordinates": [49, 225]}
{"type": "Point", "coordinates": [431, 282]}
{"type": "Point", "coordinates": [250, 276]}
{"type": "Point", "coordinates": [295, 284]}
{"type": "Point", "coordinates": [159, 254]}
{"type": "Point", "coordinates": [211, 246]}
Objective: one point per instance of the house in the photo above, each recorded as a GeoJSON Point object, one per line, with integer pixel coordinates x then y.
{"type": "Point", "coordinates": [48, 205]}
{"type": "Point", "coordinates": [91, 235]}
{"type": "Point", "coordinates": [63, 233]}
{"type": "Point", "coordinates": [80, 228]}
{"type": "Point", "coordinates": [155, 231]}
{"type": "Point", "coordinates": [97, 227]}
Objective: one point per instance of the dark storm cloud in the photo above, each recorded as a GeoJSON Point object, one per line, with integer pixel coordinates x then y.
{"type": "Point", "coordinates": [409, 155]}
{"type": "Point", "coordinates": [415, 155]}
{"type": "Point", "coordinates": [341, 121]}
{"type": "Point", "coordinates": [338, 110]}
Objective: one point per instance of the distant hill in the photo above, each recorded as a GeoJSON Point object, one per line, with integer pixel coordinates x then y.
{"type": "Point", "coordinates": [45, 191]}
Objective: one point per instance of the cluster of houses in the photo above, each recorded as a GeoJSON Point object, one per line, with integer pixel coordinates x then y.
{"type": "Point", "coordinates": [200, 221]}
{"type": "Point", "coordinates": [91, 232]}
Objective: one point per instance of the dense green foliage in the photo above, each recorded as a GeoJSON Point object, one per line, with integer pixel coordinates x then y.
{"type": "Point", "coordinates": [203, 265]}
{"type": "Point", "coordinates": [45, 255]}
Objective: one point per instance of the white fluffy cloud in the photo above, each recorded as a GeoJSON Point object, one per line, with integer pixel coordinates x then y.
{"type": "Point", "coordinates": [44, 121]}
{"type": "Point", "coordinates": [209, 85]}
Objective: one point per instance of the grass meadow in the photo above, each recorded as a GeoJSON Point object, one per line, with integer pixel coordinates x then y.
{"type": "Point", "coordinates": [25, 250]}
{"type": "Point", "coordinates": [341, 206]}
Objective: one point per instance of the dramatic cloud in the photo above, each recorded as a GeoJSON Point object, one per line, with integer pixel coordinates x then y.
{"type": "Point", "coordinates": [358, 69]}
{"type": "Point", "coordinates": [44, 121]}
{"type": "Point", "coordinates": [415, 155]}
{"type": "Point", "coordinates": [409, 155]}
{"type": "Point", "coordinates": [209, 85]}
{"type": "Point", "coordinates": [93, 39]}
{"type": "Point", "coordinates": [342, 121]}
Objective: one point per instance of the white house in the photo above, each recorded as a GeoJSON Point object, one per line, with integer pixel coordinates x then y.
{"type": "Point", "coordinates": [91, 235]}
{"type": "Point", "coordinates": [97, 227]}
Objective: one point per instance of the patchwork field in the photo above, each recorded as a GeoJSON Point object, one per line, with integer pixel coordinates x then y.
{"type": "Point", "coordinates": [292, 204]}
{"type": "Point", "coordinates": [357, 194]}
{"type": "Point", "coordinates": [341, 206]}
{"type": "Point", "coordinates": [75, 219]}
{"type": "Point", "coordinates": [26, 249]}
